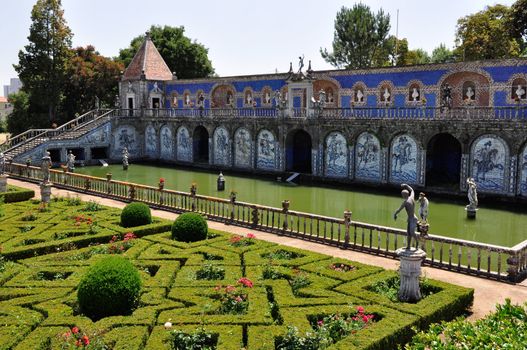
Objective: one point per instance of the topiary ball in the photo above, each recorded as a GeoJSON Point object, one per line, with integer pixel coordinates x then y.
{"type": "Point", "coordinates": [136, 214]}
{"type": "Point", "coordinates": [189, 227]}
{"type": "Point", "coordinates": [110, 287]}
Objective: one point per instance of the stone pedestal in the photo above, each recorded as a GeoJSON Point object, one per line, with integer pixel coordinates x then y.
{"type": "Point", "coordinates": [471, 212]}
{"type": "Point", "coordinates": [410, 272]}
{"type": "Point", "coordinates": [3, 183]}
{"type": "Point", "coordinates": [45, 192]}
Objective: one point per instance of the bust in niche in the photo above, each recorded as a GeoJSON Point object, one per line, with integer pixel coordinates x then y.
{"type": "Point", "coordinates": [248, 99]}
{"type": "Point", "coordinates": [267, 97]}
{"type": "Point", "coordinates": [520, 92]}
{"type": "Point", "coordinates": [386, 95]}
{"type": "Point", "coordinates": [470, 93]}
{"type": "Point", "coordinates": [330, 96]}
{"type": "Point", "coordinates": [415, 94]}
{"type": "Point", "coordinates": [187, 100]}
{"type": "Point", "coordinates": [359, 95]}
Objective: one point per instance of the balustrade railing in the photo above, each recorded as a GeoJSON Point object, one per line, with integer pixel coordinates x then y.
{"type": "Point", "coordinates": [412, 112]}
{"type": "Point", "coordinates": [479, 259]}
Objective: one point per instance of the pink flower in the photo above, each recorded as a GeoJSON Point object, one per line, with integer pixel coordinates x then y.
{"type": "Point", "coordinates": [235, 239]}
{"type": "Point", "coordinates": [360, 309]}
{"type": "Point", "coordinates": [75, 330]}
{"type": "Point", "coordinates": [365, 318]}
{"type": "Point", "coordinates": [320, 323]}
{"type": "Point", "coordinates": [128, 236]}
{"type": "Point", "coordinates": [251, 236]}
{"type": "Point", "coordinates": [161, 180]}
{"type": "Point", "coordinates": [238, 299]}
{"type": "Point", "coordinates": [85, 340]}
{"type": "Point", "coordinates": [230, 288]}
{"type": "Point", "coordinates": [246, 282]}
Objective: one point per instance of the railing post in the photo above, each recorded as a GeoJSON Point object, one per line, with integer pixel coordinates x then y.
{"type": "Point", "coordinates": [193, 190]}
{"type": "Point", "coordinates": [512, 270]}
{"type": "Point", "coordinates": [232, 198]}
{"type": "Point", "coordinates": [109, 183]}
{"type": "Point", "coordinates": [131, 192]}
{"type": "Point", "coordinates": [347, 225]}
{"type": "Point", "coordinates": [254, 216]}
{"type": "Point", "coordinates": [285, 209]}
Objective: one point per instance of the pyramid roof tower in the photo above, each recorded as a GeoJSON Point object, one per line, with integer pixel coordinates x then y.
{"type": "Point", "coordinates": [148, 63]}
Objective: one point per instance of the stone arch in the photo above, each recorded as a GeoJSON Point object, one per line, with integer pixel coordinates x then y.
{"type": "Point", "coordinates": [248, 97]}
{"type": "Point", "coordinates": [356, 96]}
{"type": "Point", "coordinates": [385, 93]}
{"type": "Point", "coordinates": [298, 149]}
{"type": "Point", "coordinates": [199, 151]}
{"type": "Point", "coordinates": [267, 96]}
{"type": "Point", "coordinates": [221, 146]}
{"type": "Point", "coordinates": [456, 79]}
{"type": "Point", "coordinates": [331, 89]}
{"type": "Point", "coordinates": [223, 95]}
{"type": "Point", "coordinates": [368, 157]}
{"type": "Point", "coordinates": [405, 159]}
{"type": "Point", "coordinates": [243, 148]}
{"type": "Point", "coordinates": [187, 99]}
{"type": "Point", "coordinates": [522, 171]}
{"type": "Point", "coordinates": [518, 89]}
{"type": "Point", "coordinates": [489, 161]}
{"type": "Point", "coordinates": [167, 143]}
{"type": "Point", "coordinates": [150, 142]}
{"type": "Point", "coordinates": [336, 155]}
{"type": "Point", "coordinates": [415, 92]}
{"type": "Point", "coordinates": [267, 150]}
{"type": "Point", "coordinates": [443, 161]}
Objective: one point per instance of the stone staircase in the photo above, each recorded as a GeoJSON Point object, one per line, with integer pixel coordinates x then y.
{"type": "Point", "coordinates": [18, 145]}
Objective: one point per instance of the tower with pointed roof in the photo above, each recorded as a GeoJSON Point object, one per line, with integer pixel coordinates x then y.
{"type": "Point", "coordinates": [143, 82]}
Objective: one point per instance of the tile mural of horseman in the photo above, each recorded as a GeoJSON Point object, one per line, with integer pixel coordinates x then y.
{"type": "Point", "coordinates": [488, 163]}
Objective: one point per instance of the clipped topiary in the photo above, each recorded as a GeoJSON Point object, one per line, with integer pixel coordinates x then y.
{"type": "Point", "coordinates": [110, 287]}
{"type": "Point", "coordinates": [136, 214]}
{"type": "Point", "coordinates": [189, 227]}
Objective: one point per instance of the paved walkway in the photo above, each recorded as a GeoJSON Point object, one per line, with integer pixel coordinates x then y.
{"type": "Point", "coordinates": [487, 293]}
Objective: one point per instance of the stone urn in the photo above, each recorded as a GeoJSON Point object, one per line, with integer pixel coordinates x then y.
{"type": "Point", "coordinates": [285, 205]}
{"type": "Point", "coordinates": [109, 176]}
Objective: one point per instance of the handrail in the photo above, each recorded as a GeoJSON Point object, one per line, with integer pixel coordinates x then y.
{"type": "Point", "coordinates": [389, 112]}
{"type": "Point", "coordinates": [479, 259]}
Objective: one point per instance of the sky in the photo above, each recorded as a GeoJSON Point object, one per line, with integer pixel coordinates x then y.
{"type": "Point", "coordinates": [243, 37]}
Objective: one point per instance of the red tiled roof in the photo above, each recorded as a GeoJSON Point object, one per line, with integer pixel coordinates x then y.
{"type": "Point", "coordinates": [3, 99]}
{"type": "Point", "coordinates": [148, 60]}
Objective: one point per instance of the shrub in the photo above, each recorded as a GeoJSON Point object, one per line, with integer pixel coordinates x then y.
{"type": "Point", "coordinates": [110, 287]}
{"type": "Point", "coordinates": [199, 339]}
{"type": "Point", "coordinates": [504, 329]}
{"type": "Point", "coordinates": [136, 214]}
{"type": "Point", "coordinates": [210, 272]}
{"type": "Point", "coordinates": [189, 227]}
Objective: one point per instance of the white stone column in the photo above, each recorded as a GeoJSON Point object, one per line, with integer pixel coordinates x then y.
{"type": "Point", "coordinates": [410, 271]}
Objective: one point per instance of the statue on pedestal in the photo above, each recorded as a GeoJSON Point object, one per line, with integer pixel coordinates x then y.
{"type": "Point", "coordinates": [70, 162]}
{"type": "Point", "coordinates": [423, 207]}
{"type": "Point", "coordinates": [125, 158]}
{"type": "Point", "coordinates": [472, 194]}
{"type": "Point", "coordinates": [409, 205]}
{"type": "Point", "coordinates": [44, 166]}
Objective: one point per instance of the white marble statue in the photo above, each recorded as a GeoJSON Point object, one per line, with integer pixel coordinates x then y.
{"type": "Point", "coordinates": [386, 95]}
{"type": "Point", "coordinates": [423, 207]}
{"type": "Point", "coordinates": [70, 162]}
{"type": "Point", "coordinates": [360, 95]}
{"type": "Point", "coordinates": [415, 94]}
{"type": "Point", "coordinates": [470, 93]}
{"type": "Point", "coordinates": [409, 205]}
{"type": "Point", "coordinates": [472, 193]}
{"type": "Point", "coordinates": [125, 157]}
{"type": "Point", "coordinates": [267, 97]}
{"type": "Point", "coordinates": [520, 92]}
{"type": "Point", "coordinates": [44, 166]}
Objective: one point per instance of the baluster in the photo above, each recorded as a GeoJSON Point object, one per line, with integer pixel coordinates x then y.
{"type": "Point", "coordinates": [432, 249]}
{"type": "Point", "coordinates": [331, 230]}
{"type": "Point", "coordinates": [362, 235]}
{"type": "Point", "coordinates": [325, 229]}
{"type": "Point", "coordinates": [488, 262]}
{"type": "Point", "coordinates": [395, 244]}
{"type": "Point", "coordinates": [272, 219]}
{"type": "Point", "coordinates": [450, 256]}
{"type": "Point", "coordinates": [298, 225]}
{"type": "Point", "coordinates": [499, 265]}
{"type": "Point", "coordinates": [318, 227]}
{"type": "Point", "coordinates": [459, 253]}
{"type": "Point", "coordinates": [371, 238]}
{"type": "Point", "coordinates": [378, 240]}
{"type": "Point", "coordinates": [338, 232]}
{"type": "Point", "coordinates": [354, 234]}
{"type": "Point", "coordinates": [469, 256]}
{"type": "Point", "coordinates": [387, 242]}
{"type": "Point", "coordinates": [310, 226]}
{"type": "Point", "coordinates": [305, 219]}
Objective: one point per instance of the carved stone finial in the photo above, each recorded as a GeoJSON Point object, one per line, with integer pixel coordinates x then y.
{"type": "Point", "coordinates": [147, 35]}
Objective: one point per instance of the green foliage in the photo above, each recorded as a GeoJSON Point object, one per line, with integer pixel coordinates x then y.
{"type": "Point", "coordinates": [517, 21]}
{"type": "Point", "coordinates": [42, 63]}
{"type": "Point", "coordinates": [299, 281]}
{"type": "Point", "coordinates": [200, 339]}
{"type": "Point", "coordinates": [189, 227]}
{"type": "Point", "coordinates": [210, 272]}
{"type": "Point", "coordinates": [110, 287]}
{"type": "Point", "coordinates": [91, 76]}
{"type": "Point", "coordinates": [390, 288]}
{"type": "Point", "coordinates": [73, 201]}
{"type": "Point", "coordinates": [485, 35]}
{"type": "Point", "coordinates": [136, 214]}
{"type": "Point", "coordinates": [189, 59]}
{"type": "Point", "coordinates": [359, 34]}
{"type": "Point", "coordinates": [327, 331]}
{"type": "Point", "coordinates": [442, 54]}
{"type": "Point", "coordinates": [19, 120]}
{"type": "Point", "coordinates": [92, 206]}
{"type": "Point", "coordinates": [504, 329]}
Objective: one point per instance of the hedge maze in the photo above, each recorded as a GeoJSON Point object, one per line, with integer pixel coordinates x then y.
{"type": "Point", "coordinates": [47, 250]}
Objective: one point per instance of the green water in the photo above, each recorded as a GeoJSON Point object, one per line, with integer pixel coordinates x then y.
{"type": "Point", "coordinates": [492, 226]}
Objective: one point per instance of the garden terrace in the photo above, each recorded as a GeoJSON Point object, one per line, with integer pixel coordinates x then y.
{"type": "Point", "coordinates": [49, 248]}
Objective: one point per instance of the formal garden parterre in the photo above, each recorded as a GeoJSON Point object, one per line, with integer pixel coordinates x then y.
{"type": "Point", "coordinates": [223, 292]}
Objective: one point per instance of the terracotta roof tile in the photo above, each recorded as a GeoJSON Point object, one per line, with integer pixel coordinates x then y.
{"type": "Point", "coordinates": [149, 60]}
{"type": "Point", "coordinates": [3, 99]}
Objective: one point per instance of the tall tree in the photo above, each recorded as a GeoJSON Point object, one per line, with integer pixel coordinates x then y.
{"type": "Point", "coordinates": [517, 23]}
{"type": "Point", "coordinates": [19, 120]}
{"type": "Point", "coordinates": [485, 35]}
{"type": "Point", "coordinates": [91, 76]}
{"type": "Point", "coordinates": [392, 52]}
{"type": "Point", "coordinates": [417, 56]}
{"type": "Point", "coordinates": [442, 54]}
{"type": "Point", "coordinates": [42, 63]}
{"type": "Point", "coordinates": [359, 33]}
{"type": "Point", "coordinates": [189, 59]}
